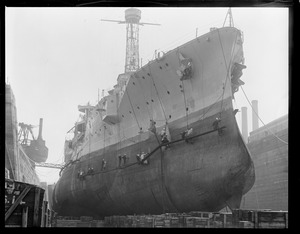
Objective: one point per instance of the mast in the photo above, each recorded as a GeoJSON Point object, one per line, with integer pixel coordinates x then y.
{"type": "Point", "coordinates": [229, 15]}
{"type": "Point", "coordinates": [132, 20]}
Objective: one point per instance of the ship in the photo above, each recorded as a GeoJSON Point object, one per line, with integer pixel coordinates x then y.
{"type": "Point", "coordinates": [164, 139]}
{"type": "Point", "coordinates": [21, 152]}
{"type": "Point", "coordinates": [25, 203]}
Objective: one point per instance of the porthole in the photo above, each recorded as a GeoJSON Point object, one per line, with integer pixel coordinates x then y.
{"type": "Point", "coordinates": [130, 112]}
{"type": "Point", "coordinates": [147, 103]}
{"type": "Point", "coordinates": [144, 77]}
{"type": "Point", "coordinates": [138, 107]}
{"type": "Point", "coordinates": [152, 100]}
{"type": "Point", "coordinates": [187, 109]}
{"type": "Point", "coordinates": [133, 83]}
{"type": "Point", "coordinates": [123, 116]}
{"type": "Point", "coordinates": [170, 116]}
{"type": "Point", "coordinates": [148, 74]}
{"type": "Point", "coordinates": [160, 67]}
{"type": "Point", "coordinates": [168, 92]}
{"type": "Point", "coordinates": [167, 64]}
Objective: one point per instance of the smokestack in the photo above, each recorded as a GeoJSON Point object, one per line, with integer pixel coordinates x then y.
{"type": "Point", "coordinates": [40, 129]}
{"type": "Point", "coordinates": [254, 115]}
{"type": "Point", "coordinates": [244, 124]}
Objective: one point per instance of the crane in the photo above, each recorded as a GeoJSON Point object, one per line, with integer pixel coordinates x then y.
{"type": "Point", "coordinates": [132, 19]}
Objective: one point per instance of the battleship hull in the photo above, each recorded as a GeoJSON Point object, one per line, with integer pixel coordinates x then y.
{"type": "Point", "coordinates": [209, 172]}
{"type": "Point", "coordinates": [17, 161]}
{"type": "Point", "coordinates": [37, 150]}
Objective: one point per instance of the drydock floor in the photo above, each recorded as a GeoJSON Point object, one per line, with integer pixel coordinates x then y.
{"type": "Point", "coordinates": [236, 219]}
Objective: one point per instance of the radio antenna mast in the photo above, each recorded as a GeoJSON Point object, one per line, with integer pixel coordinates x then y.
{"type": "Point", "coordinates": [132, 21]}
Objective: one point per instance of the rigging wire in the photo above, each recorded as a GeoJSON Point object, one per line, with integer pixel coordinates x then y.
{"type": "Point", "coordinates": [160, 102]}
{"type": "Point", "coordinates": [227, 68]}
{"type": "Point", "coordinates": [203, 115]}
{"type": "Point", "coordinates": [200, 75]}
{"type": "Point", "coordinates": [185, 105]}
{"type": "Point", "coordinates": [126, 90]}
{"type": "Point", "coordinates": [183, 92]}
{"type": "Point", "coordinates": [89, 139]}
{"type": "Point", "coordinates": [140, 83]}
{"type": "Point", "coordinates": [119, 145]}
{"type": "Point", "coordinates": [261, 119]}
{"type": "Point", "coordinates": [161, 159]}
{"type": "Point", "coordinates": [104, 126]}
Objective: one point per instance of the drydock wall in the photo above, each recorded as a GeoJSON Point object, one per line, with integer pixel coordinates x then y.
{"type": "Point", "coordinates": [270, 157]}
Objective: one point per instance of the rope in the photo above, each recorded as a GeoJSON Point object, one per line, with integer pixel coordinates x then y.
{"type": "Point", "coordinates": [126, 90]}
{"type": "Point", "coordinates": [261, 120]}
{"type": "Point", "coordinates": [158, 95]}
{"type": "Point", "coordinates": [104, 140]}
{"type": "Point", "coordinates": [227, 68]}
{"type": "Point", "coordinates": [27, 156]}
{"type": "Point", "coordinates": [186, 109]}
{"type": "Point", "coordinates": [158, 147]}
{"type": "Point", "coordinates": [119, 145]}
{"type": "Point", "coordinates": [210, 107]}
{"type": "Point", "coordinates": [183, 92]}
{"type": "Point", "coordinates": [145, 99]}
{"type": "Point", "coordinates": [161, 170]}
{"type": "Point", "coordinates": [89, 161]}
{"type": "Point", "coordinates": [200, 74]}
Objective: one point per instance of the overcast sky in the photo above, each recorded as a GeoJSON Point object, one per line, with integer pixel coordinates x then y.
{"type": "Point", "coordinates": [58, 58]}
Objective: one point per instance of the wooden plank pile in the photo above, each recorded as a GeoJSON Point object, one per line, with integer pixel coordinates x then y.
{"type": "Point", "coordinates": [260, 219]}
{"type": "Point", "coordinates": [236, 219]}
{"type": "Point", "coordinates": [83, 221]}
{"type": "Point", "coordinates": [25, 205]}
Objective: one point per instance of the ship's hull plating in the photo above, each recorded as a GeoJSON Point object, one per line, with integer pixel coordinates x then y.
{"type": "Point", "coordinates": [211, 172]}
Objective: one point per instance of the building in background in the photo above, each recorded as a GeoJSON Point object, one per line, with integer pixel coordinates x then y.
{"type": "Point", "coordinates": [268, 146]}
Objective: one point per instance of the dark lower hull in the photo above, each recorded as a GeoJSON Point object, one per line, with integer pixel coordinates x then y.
{"type": "Point", "coordinates": [212, 172]}
{"type": "Point", "coordinates": [36, 151]}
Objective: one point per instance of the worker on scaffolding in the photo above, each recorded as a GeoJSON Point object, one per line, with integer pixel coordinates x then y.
{"type": "Point", "coordinates": [142, 156]}
{"type": "Point", "coordinates": [103, 164]}
{"type": "Point", "coordinates": [124, 159]}
{"type": "Point", "coordinates": [80, 174]}
{"type": "Point", "coordinates": [152, 127]}
{"type": "Point", "coordinates": [164, 137]}
{"type": "Point", "coordinates": [120, 159]}
{"type": "Point", "coordinates": [216, 125]}
{"type": "Point", "coordinates": [138, 158]}
{"type": "Point", "coordinates": [186, 134]}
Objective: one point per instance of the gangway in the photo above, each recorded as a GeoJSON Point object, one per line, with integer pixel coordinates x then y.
{"type": "Point", "coordinates": [50, 165]}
